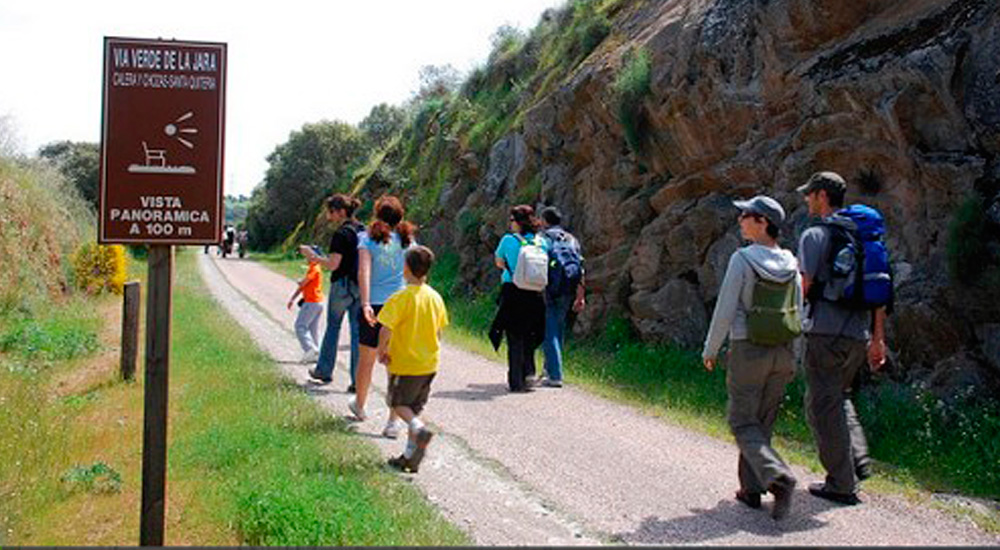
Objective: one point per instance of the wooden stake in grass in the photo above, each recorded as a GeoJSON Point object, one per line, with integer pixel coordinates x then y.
{"type": "Point", "coordinates": [130, 330]}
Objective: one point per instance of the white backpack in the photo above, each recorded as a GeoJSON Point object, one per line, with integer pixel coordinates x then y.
{"type": "Point", "coordinates": [532, 271]}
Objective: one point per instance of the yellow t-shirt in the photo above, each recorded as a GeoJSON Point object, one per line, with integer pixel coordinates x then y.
{"type": "Point", "coordinates": [415, 315]}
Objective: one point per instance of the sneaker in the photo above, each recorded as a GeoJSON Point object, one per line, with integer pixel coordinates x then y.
{"type": "Point", "coordinates": [549, 383]}
{"type": "Point", "coordinates": [820, 490]}
{"type": "Point", "coordinates": [423, 438]}
{"type": "Point", "coordinates": [391, 430]}
{"type": "Point", "coordinates": [315, 375]}
{"type": "Point", "coordinates": [750, 499]}
{"type": "Point", "coordinates": [357, 411]}
{"type": "Point", "coordinates": [782, 489]}
{"type": "Point", "coordinates": [310, 356]}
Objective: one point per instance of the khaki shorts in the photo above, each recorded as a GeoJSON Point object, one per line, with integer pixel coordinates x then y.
{"type": "Point", "coordinates": [409, 391]}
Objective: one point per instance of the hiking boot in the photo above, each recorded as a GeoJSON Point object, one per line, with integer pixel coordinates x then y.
{"type": "Point", "coordinates": [820, 490]}
{"type": "Point", "coordinates": [391, 430]}
{"type": "Point", "coordinates": [423, 438]}
{"type": "Point", "coordinates": [358, 412]}
{"type": "Point", "coordinates": [782, 489]}
{"type": "Point", "coordinates": [863, 470]}
{"type": "Point", "coordinates": [402, 464]}
{"type": "Point", "coordinates": [750, 499]}
{"type": "Point", "coordinates": [315, 375]}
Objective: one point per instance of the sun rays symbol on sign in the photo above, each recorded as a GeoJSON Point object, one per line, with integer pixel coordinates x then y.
{"type": "Point", "coordinates": [175, 131]}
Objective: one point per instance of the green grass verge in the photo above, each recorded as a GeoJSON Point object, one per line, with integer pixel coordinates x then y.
{"type": "Point", "coordinates": [33, 431]}
{"type": "Point", "coordinates": [274, 465]}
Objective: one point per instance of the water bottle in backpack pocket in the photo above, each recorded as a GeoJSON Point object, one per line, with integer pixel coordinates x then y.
{"type": "Point", "coordinates": [860, 275]}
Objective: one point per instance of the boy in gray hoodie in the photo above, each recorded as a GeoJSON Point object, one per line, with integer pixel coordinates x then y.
{"type": "Point", "coordinates": [757, 374]}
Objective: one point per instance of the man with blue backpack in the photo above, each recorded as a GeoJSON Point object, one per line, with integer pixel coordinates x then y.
{"type": "Point", "coordinates": [848, 285]}
{"type": "Point", "coordinates": [564, 290]}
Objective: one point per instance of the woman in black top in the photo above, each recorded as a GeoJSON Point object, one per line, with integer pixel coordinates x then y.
{"type": "Point", "coordinates": [344, 294]}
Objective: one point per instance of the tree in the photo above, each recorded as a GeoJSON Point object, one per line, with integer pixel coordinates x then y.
{"type": "Point", "coordinates": [437, 81]}
{"type": "Point", "coordinates": [382, 123]}
{"type": "Point", "coordinates": [314, 162]}
{"type": "Point", "coordinates": [79, 163]}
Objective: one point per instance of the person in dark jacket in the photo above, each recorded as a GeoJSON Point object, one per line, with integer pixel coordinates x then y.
{"type": "Point", "coordinates": [521, 315]}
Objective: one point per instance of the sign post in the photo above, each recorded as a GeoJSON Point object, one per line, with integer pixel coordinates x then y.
{"type": "Point", "coordinates": [162, 140]}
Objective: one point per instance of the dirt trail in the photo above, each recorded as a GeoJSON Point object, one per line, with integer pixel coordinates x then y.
{"type": "Point", "coordinates": [563, 467]}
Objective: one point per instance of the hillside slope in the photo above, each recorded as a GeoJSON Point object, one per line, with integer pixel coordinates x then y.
{"type": "Point", "coordinates": [743, 97]}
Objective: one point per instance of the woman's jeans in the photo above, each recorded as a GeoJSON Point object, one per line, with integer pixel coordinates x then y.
{"type": "Point", "coordinates": [345, 297]}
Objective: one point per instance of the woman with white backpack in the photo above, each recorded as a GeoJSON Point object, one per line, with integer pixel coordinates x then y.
{"type": "Point", "coordinates": [522, 255]}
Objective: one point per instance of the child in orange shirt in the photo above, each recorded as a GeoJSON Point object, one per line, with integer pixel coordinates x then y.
{"type": "Point", "coordinates": [310, 310]}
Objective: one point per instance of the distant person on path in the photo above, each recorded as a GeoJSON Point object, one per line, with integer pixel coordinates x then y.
{"type": "Point", "coordinates": [521, 315]}
{"type": "Point", "coordinates": [410, 348]}
{"type": "Point", "coordinates": [565, 290]}
{"type": "Point", "coordinates": [837, 343]}
{"type": "Point", "coordinates": [310, 309]}
{"type": "Point", "coordinates": [760, 365]}
{"type": "Point", "coordinates": [381, 251]}
{"type": "Point", "coordinates": [345, 296]}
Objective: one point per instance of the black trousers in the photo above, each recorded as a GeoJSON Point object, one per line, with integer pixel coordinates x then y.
{"type": "Point", "coordinates": [520, 360]}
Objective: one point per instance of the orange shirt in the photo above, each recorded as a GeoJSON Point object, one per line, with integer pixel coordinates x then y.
{"type": "Point", "coordinates": [313, 289]}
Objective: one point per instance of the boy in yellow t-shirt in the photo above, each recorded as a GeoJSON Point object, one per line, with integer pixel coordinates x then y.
{"type": "Point", "coordinates": [409, 346]}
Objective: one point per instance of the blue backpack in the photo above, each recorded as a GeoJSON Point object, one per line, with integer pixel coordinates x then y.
{"type": "Point", "coordinates": [860, 274]}
{"type": "Point", "coordinates": [565, 263]}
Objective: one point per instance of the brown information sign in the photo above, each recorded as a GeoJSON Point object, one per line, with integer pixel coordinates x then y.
{"type": "Point", "coordinates": [162, 141]}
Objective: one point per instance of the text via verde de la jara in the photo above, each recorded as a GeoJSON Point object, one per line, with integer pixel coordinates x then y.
{"type": "Point", "coordinates": [160, 216]}
{"type": "Point", "coordinates": [164, 68]}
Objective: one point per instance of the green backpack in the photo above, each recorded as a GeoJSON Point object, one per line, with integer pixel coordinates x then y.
{"type": "Point", "coordinates": [774, 317]}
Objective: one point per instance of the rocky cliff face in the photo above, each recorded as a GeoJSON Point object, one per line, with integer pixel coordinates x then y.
{"type": "Point", "coordinates": [901, 97]}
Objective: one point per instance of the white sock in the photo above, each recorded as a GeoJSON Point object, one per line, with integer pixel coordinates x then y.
{"type": "Point", "coordinates": [410, 447]}
{"type": "Point", "coordinates": [416, 425]}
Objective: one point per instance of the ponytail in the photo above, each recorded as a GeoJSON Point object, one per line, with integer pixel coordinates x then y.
{"type": "Point", "coordinates": [343, 202]}
{"type": "Point", "coordinates": [388, 218]}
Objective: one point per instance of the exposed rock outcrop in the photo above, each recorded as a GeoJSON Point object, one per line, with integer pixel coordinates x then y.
{"type": "Point", "coordinates": [748, 96]}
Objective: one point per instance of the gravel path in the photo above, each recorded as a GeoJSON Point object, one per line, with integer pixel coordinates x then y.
{"type": "Point", "coordinates": [563, 467]}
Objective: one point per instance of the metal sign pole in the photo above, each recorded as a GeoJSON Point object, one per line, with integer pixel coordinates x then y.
{"type": "Point", "coordinates": [154, 430]}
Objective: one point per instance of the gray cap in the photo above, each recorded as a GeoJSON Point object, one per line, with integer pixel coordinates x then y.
{"type": "Point", "coordinates": [827, 181]}
{"type": "Point", "coordinates": [765, 206]}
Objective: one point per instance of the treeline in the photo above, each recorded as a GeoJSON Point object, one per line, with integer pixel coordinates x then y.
{"type": "Point", "coordinates": [316, 161]}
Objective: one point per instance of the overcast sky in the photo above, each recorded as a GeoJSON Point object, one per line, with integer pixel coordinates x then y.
{"type": "Point", "coordinates": [290, 61]}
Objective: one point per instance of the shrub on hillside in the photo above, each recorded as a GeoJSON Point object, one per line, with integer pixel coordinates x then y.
{"type": "Point", "coordinates": [631, 88]}
{"type": "Point", "coordinates": [589, 27]}
{"type": "Point", "coordinates": [98, 268]}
